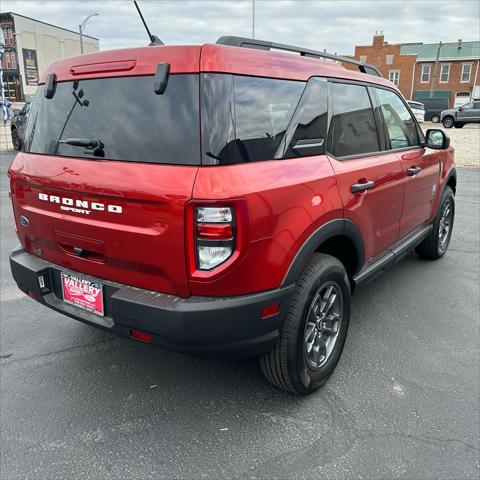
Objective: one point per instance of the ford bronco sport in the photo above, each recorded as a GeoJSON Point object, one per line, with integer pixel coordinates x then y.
{"type": "Point", "coordinates": [224, 199]}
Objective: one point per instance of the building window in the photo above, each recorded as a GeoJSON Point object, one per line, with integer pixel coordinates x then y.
{"type": "Point", "coordinates": [444, 73]}
{"type": "Point", "coordinates": [7, 62]}
{"type": "Point", "coordinates": [13, 61]}
{"type": "Point", "coordinates": [9, 36]}
{"type": "Point", "coordinates": [466, 71]}
{"type": "Point", "coordinates": [394, 76]}
{"type": "Point", "coordinates": [389, 59]}
{"type": "Point", "coordinates": [425, 78]}
{"type": "Point", "coordinates": [363, 58]}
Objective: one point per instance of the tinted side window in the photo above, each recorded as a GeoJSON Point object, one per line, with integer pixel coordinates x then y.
{"type": "Point", "coordinates": [307, 131]}
{"type": "Point", "coordinates": [244, 119]}
{"type": "Point", "coordinates": [353, 129]}
{"type": "Point", "coordinates": [401, 127]}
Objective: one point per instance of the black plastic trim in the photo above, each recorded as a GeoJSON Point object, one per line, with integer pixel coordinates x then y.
{"type": "Point", "coordinates": [227, 327]}
{"type": "Point", "coordinates": [333, 228]}
{"type": "Point", "coordinates": [393, 255]}
{"type": "Point", "coordinates": [160, 80]}
{"type": "Point", "coordinates": [50, 85]}
{"type": "Point", "coordinates": [452, 173]}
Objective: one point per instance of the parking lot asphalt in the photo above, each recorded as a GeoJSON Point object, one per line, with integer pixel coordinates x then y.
{"type": "Point", "coordinates": [79, 403]}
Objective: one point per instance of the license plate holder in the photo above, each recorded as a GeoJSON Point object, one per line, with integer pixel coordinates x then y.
{"type": "Point", "coordinates": [83, 293]}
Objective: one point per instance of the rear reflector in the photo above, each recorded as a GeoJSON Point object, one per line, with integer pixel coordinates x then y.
{"type": "Point", "coordinates": [32, 294]}
{"type": "Point", "coordinates": [142, 336]}
{"type": "Point", "coordinates": [215, 231]}
{"type": "Point", "coordinates": [270, 310]}
{"type": "Point", "coordinates": [103, 67]}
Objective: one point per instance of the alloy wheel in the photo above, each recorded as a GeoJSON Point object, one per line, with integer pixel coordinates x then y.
{"type": "Point", "coordinates": [323, 324]}
{"type": "Point", "coordinates": [445, 224]}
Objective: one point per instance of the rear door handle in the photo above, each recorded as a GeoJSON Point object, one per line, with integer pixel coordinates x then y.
{"type": "Point", "coordinates": [413, 171]}
{"type": "Point", "coordinates": [360, 187]}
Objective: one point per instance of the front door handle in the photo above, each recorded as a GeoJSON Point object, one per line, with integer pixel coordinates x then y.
{"type": "Point", "coordinates": [413, 171]}
{"type": "Point", "coordinates": [360, 187]}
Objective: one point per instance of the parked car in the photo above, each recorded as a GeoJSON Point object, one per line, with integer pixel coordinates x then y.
{"type": "Point", "coordinates": [418, 110]}
{"type": "Point", "coordinates": [18, 123]}
{"type": "Point", "coordinates": [433, 108]}
{"type": "Point", "coordinates": [458, 117]}
{"type": "Point", "coordinates": [231, 209]}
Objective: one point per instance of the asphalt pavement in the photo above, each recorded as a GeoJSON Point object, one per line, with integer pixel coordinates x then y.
{"type": "Point", "coordinates": [79, 403]}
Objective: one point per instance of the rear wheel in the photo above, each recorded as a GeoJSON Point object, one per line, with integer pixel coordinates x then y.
{"type": "Point", "coordinates": [435, 118]}
{"type": "Point", "coordinates": [17, 143]}
{"type": "Point", "coordinates": [314, 330]}
{"type": "Point", "coordinates": [436, 244]}
{"type": "Point", "coordinates": [448, 122]}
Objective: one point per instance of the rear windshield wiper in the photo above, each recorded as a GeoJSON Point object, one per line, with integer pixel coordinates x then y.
{"type": "Point", "coordinates": [93, 145]}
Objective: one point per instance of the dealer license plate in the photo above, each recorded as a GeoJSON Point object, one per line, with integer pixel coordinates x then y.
{"type": "Point", "coordinates": [83, 293]}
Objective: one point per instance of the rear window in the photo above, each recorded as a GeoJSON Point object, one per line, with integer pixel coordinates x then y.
{"type": "Point", "coordinates": [125, 115]}
{"type": "Point", "coordinates": [417, 106]}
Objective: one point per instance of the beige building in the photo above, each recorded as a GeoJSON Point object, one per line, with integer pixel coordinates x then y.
{"type": "Point", "coordinates": [30, 46]}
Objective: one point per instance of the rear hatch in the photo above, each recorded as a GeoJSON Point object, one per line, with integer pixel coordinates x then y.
{"type": "Point", "coordinates": [109, 165]}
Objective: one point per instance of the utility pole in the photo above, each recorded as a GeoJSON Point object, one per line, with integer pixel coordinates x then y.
{"type": "Point", "coordinates": [435, 70]}
{"type": "Point", "coordinates": [253, 18]}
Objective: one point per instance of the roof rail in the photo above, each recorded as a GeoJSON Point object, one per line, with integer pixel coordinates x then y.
{"type": "Point", "coordinates": [304, 52]}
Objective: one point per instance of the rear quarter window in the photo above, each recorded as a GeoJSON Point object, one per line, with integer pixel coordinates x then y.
{"type": "Point", "coordinates": [244, 119]}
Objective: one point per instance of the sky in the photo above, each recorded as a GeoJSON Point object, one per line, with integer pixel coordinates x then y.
{"type": "Point", "coordinates": [335, 25]}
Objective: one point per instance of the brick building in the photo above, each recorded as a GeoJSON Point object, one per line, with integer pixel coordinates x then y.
{"type": "Point", "coordinates": [411, 67]}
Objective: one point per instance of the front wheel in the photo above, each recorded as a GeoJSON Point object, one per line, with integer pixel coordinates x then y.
{"type": "Point", "coordinates": [448, 122]}
{"type": "Point", "coordinates": [435, 118]}
{"type": "Point", "coordinates": [17, 143]}
{"type": "Point", "coordinates": [436, 244]}
{"type": "Point", "coordinates": [314, 329]}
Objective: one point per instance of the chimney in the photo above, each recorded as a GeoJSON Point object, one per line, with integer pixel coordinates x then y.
{"type": "Point", "coordinates": [459, 44]}
{"type": "Point", "coordinates": [378, 40]}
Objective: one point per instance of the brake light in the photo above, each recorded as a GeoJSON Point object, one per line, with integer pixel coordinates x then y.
{"type": "Point", "coordinates": [214, 236]}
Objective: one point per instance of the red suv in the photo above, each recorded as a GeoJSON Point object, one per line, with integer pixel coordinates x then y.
{"type": "Point", "coordinates": [224, 199]}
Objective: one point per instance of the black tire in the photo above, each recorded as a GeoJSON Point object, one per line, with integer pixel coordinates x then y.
{"type": "Point", "coordinates": [459, 125]}
{"type": "Point", "coordinates": [17, 143]}
{"type": "Point", "coordinates": [435, 118]}
{"type": "Point", "coordinates": [448, 122]}
{"type": "Point", "coordinates": [289, 366]}
{"type": "Point", "coordinates": [436, 245]}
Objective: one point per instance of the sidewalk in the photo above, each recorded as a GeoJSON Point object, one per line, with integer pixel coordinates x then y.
{"type": "Point", "coordinates": [5, 137]}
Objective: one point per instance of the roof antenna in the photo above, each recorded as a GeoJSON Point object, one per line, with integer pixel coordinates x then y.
{"type": "Point", "coordinates": [154, 40]}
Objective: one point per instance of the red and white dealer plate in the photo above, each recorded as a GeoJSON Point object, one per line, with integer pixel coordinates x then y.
{"type": "Point", "coordinates": [83, 293]}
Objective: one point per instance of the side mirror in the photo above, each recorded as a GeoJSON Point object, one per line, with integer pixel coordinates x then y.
{"type": "Point", "coordinates": [460, 109]}
{"type": "Point", "coordinates": [437, 139]}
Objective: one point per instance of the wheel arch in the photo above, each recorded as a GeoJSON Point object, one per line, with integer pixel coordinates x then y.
{"type": "Point", "coordinates": [451, 180]}
{"type": "Point", "coordinates": [340, 238]}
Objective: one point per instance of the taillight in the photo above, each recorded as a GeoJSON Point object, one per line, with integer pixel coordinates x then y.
{"type": "Point", "coordinates": [214, 236]}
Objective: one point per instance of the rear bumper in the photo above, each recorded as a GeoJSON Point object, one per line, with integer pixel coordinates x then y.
{"type": "Point", "coordinates": [204, 326]}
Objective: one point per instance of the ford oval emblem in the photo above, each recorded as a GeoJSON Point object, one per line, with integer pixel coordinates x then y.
{"type": "Point", "coordinates": [23, 220]}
